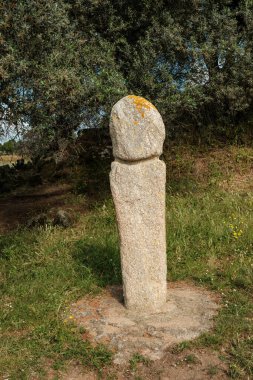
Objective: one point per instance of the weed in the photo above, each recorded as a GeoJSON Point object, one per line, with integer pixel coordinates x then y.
{"type": "Point", "coordinates": [137, 358]}
{"type": "Point", "coordinates": [180, 347]}
{"type": "Point", "coordinates": [191, 359]}
{"type": "Point", "coordinates": [212, 370]}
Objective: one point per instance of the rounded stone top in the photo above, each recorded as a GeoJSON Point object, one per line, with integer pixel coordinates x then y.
{"type": "Point", "coordinates": [136, 128]}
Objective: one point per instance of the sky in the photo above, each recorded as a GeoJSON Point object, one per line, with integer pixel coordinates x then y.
{"type": "Point", "coordinates": [6, 137]}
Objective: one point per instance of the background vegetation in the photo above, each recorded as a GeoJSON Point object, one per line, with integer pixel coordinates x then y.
{"type": "Point", "coordinates": [65, 63]}
{"type": "Point", "coordinates": [8, 147]}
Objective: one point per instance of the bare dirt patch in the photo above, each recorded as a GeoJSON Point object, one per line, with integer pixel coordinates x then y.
{"type": "Point", "coordinates": [230, 168]}
{"type": "Point", "coordinates": [189, 365]}
{"type": "Point", "coordinates": [238, 182]}
{"type": "Point", "coordinates": [15, 210]}
{"type": "Point", "coordinates": [189, 311]}
{"type": "Point", "coordinates": [99, 316]}
{"type": "Point", "coordinates": [202, 364]}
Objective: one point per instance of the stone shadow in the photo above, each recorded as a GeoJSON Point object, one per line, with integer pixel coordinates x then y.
{"type": "Point", "coordinates": [103, 261]}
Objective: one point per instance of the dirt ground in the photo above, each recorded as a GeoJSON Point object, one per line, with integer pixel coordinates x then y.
{"type": "Point", "coordinates": [203, 364]}
{"type": "Point", "coordinates": [188, 364]}
{"type": "Point", "coordinates": [188, 313]}
{"type": "Point", "coordinates": [15, 210]}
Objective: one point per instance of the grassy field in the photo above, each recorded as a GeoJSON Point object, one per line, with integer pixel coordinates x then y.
{"type": "Point", "coordinates": [209, 235]}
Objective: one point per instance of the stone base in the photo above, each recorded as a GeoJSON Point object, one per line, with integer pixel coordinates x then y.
{"type": "Point", "coordinates": [189, 312]}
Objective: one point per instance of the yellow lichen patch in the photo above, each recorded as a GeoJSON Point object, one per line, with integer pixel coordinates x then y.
{"type": "Point", "coordinates": [141, 104]}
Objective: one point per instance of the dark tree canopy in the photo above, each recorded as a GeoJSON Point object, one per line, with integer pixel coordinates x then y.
{"type": "Point", "coordinates": [64, 63]}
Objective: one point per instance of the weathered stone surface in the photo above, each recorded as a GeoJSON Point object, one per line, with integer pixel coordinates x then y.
{"type": "Point", "coordinates": [139, 195]}
{"type": "Point", "coordinates": [137, 182]}
{"type": "Point", "coordinates": [137, 129]}
{"type": "Point", "coordinates": [188, 312]}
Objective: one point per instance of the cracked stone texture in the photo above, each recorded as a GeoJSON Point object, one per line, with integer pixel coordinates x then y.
{"type": "Point", "coordinates": [137, 129]}
{"type": "Point", "coordinates": [138, 191]}
{"type": "Point", "coordinates": [188, 312]}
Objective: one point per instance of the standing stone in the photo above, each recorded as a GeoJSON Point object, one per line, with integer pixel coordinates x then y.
{"type": "Point", "coordinates": [137, 181]}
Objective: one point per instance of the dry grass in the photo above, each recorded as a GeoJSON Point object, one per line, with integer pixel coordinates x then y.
{"type": "Point", "coordinates": [9, 159]}
{"type": "Point", "coordinates": [195, 169]}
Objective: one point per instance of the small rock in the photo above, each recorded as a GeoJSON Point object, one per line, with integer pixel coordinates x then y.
{"type": "Point", "coordinates": [38, 220]}
{"type": "Point", "coordinates": [62, 219]}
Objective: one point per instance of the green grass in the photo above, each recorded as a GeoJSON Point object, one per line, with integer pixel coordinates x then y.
{"type": "Point", "coordinates": [204, 245]}
{"type": "Point", "coordinates": [43, 270]}
{"type": "Point", "coordinates": [40, 277]}
{"type": "Point", "coordinates": [136, 359]}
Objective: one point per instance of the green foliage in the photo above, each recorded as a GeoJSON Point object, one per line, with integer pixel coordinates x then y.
{"type": "Point", "coordinates": [138, 358]}
{"type": "Point", "coordinates": [63, 64]}
{"type": "Point", "coordinates": [8, 147]}
{"type": "Point", "coordinates": [52, 76]}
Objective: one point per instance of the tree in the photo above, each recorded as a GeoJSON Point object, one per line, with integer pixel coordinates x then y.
{"type": "Point", "coordinates": [8, 147]}
{"type": "Point", "coordinates": [192, 58]}
{"type": "Point", "coordinates": [51, 75]}
{"type": "Point", "coordinates": [64, 63]}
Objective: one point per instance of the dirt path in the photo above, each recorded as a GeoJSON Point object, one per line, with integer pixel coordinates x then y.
{"type": "Point", "coordinates": [15, 210]}
{"type": "Point", "coordinates": [202, 364]}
